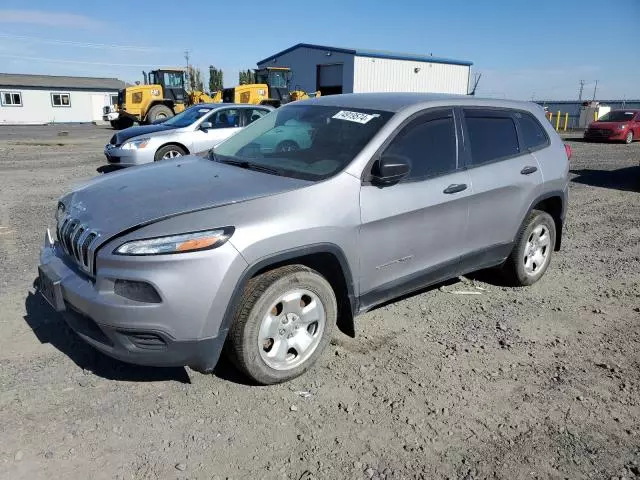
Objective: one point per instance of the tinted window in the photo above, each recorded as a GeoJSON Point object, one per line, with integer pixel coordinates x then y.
{"type": "Point", "coordinates": [227, 118]}
{"type": "Point", "coordinates": [429, 144]}
{"type": "Point", "coordinates": [532, 133]}
{"type": "Point", "coordinates": [492, 136]}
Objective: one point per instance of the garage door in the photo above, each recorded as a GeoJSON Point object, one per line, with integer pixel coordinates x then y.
{"type": "Point", "coordinates": [330, 79]}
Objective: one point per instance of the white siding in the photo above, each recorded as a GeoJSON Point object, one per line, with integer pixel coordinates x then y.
{"type": "Point", "coordinates": [37, 108]}
{"type": "Point", "coordinates": [303, 63]}
{"type": "Point", "coordinates": [388, 75]}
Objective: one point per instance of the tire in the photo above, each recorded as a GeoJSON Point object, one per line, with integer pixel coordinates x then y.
{"type": "Point", "coordinates": [168, 152]}
{"type": "Point", "coordinates": [272, 339]}
{"type": "Point", "coordinates": [159, 112]}
{"type": "Point", "coordinates": [114, 124]}
{"type": "Point", "coordinates": [532, 252]}
{"type": "Point", "coordinates": [629, 138]}
{"type": "Point", "coordinates": [287, 146]}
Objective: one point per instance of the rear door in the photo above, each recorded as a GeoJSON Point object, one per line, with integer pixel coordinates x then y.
{"type": "Point", "coordinates": [225, 122]}
{"type": "Point", "coordinates": [412, 231]}
{"type": "Point", "coordinates": [500, 147]}
{"type": "Point", "coordinates": [250, 115]}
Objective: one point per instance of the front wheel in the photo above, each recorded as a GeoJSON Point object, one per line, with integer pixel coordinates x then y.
{"type": "Point", "coordinates": [168, 152]}
{"type": "Point", "coordinates": [532, 252]}
{"type": "Point", "coordinates": [629, 138]}
{"type": "Point", "coordinates": [283, 324]}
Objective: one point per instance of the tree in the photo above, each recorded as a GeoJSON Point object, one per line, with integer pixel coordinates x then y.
{"type": "Point", "coordinates": [216, 80]}
{"type": "Point", "coordinates": [246, 77]}
{"type": "Point", "coordinates": [195, 78]}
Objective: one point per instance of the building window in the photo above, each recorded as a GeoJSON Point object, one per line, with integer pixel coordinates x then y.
{"type": "Point", "coordinates": [114, 99]}
{"type": "Point", "coordinates": [60, 100]}
{"type": "Point", "coordinates": [11, 99]}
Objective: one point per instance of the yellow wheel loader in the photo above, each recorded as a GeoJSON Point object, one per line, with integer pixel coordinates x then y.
{"type": "Point", "coordinates": [162, 95]}
{"type": "Point", "coordinates": [272, 87]}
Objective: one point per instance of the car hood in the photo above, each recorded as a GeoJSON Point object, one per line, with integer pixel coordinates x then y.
{"type": "Point", "coordinates": [123, 135]}
{"type": "Point", "coordinates": [609, 125]}
{"type": "Point", "coordinates": [115, 202]}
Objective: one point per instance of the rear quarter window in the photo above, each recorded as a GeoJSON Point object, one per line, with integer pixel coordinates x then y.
{"type": "Point", "coordinates": [492, 135]}
{"type": "Point", "coordinates": [532, 134]}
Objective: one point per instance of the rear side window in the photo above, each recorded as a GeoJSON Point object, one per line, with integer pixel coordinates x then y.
{"type": "Point", "coordinates": [429, 143]}
{"type": "Point", "coordinates": [532, 134]}
{"type": "Point", "coordinates": [492, 135]}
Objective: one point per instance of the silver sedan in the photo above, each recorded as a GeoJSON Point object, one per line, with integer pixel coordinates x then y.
{"type": "Point", "coordinates": [195, 130]}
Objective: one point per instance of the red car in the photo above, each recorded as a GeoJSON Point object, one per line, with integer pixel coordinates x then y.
{"type": "Point", "coordinates": [616, 125]}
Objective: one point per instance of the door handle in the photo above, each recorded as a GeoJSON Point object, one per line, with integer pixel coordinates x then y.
{"type": "Point", "coordinates": [528, 170]}
{"type": "Point", "coordinates": [455, 188]}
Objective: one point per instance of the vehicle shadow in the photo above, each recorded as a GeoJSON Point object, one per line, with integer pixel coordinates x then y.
{"type": "Point", "coordinates": [626, 179]}
{"type": "Point", "coordinates": [50, 327]}
{"type": "Point", "coordinates": [108, 168]}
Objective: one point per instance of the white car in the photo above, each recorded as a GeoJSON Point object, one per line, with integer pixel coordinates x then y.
{"type": "Point", "coordinates": [197, 129]}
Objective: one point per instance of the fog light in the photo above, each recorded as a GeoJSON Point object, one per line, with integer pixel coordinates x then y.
{"type": "Point", "coordinates": [138, 291]}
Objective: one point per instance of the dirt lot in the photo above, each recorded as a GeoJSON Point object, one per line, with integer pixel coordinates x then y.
{"type": "Point", "coordinates": [538, 382]}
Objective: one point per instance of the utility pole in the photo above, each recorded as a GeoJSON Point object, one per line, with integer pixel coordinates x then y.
{"type": "Point", "coordinates": [187, 75]}
{"type": "Point", "coordinates": [581, 88]}
{"type": "Point", "coordinates": [595, 88]}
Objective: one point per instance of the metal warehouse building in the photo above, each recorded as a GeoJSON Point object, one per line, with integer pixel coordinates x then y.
{"type": "Point", "coordinates": [334, 70]}
{"type": "Point", "coordinates": [39, 99]}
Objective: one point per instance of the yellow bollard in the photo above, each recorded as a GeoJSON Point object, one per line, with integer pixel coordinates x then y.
{"type": "Point", "coordinates": [566, 120]}
{"type": "Point", "coordinates": [595, 116]}
{"type": "Point", "coordinates": [551, 118]}
{"type": "Point", "coordinates": [558, 121]}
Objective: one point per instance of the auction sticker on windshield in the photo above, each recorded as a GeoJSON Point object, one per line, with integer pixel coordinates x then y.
{"type": "Point", "coordinates": [355, 116]}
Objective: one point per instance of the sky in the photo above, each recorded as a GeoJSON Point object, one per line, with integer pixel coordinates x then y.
{"type": "Point", "coordinates": [524, 49]}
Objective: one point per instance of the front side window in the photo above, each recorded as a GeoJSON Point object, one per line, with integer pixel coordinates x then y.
{"type": "Point", "coordinates": [492, 135]}
{"type": "Point", "coordinates": [173, 80]}
{"type": "Point", "coordinates": [11, 99]}
{"type": "Point", "coordinates": [429, 145]}
{"type": "Point", "coordinates": [532, 134]}
{"type": "Point", "coordinates": [60, 100]}
{"type": "Point", "coordinates": [311, 142]}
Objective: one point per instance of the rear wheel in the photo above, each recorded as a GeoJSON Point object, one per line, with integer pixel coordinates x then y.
{"type": "Point", "coordinates": [283, 324]}
{"type": "Point", "coordinates": [159, 113]}
{"type": "Point", "coordinates": [532, 252]}
{"type": "Point", "coordinates": [629, 138]}
{"type": "Point", "coordinates": [168, 152]}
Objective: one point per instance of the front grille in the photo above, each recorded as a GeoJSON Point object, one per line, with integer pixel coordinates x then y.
{"type": "Point", "coordinates": [599, 132]}
{"type": "Point", "coordinates": [78, 242]}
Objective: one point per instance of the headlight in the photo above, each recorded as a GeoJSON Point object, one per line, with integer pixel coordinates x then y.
{"type": "Point", "coordinates": [187, 242]}
{"type": "Point", "coordinates": [622, 127]}
{"type": "Point", "coordinates": [136, 144]}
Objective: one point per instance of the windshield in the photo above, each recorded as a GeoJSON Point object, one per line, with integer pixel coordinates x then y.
{"type": "Point", "coordinates": [187, 117]}
{"type": "Point", "coordinates": [617, 116]}
{"type": "Point", "coordinates": [311, 142]}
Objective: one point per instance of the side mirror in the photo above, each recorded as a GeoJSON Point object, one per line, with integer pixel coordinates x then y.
{"type": "Point", "coordinates": [390, 169]}
{"type": "Point", "coordinates": [204, 126]}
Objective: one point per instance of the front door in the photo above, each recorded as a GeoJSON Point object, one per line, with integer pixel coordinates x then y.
{"type": "Point", "coordinates": [412, 231]}
{"type": "Point", "coordinates": [224, 123]}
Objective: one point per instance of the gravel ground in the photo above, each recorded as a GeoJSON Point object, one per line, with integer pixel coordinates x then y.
{"type": "Point", "coordinates": [537, 382]}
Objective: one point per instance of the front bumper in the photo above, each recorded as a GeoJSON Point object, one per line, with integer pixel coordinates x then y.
{"type": "Point", "coordinates": [127, 158]}
{"type": "Point", "coordinates": [110, 117]}
{"type": "Point", "coordinates": [608, 135]}
{"type": "Point", "coordinates": [135, 332]}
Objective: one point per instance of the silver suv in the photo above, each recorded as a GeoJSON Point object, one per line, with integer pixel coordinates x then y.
{"type": "Point", "coordinates": [264, 250]}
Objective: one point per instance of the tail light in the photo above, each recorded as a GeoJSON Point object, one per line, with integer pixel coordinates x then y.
{"type": "Point", "coordinates": [567, 149]}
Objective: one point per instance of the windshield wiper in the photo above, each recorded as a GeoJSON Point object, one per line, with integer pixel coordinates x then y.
{"type": "Point", "coordinates": [249, 165]}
